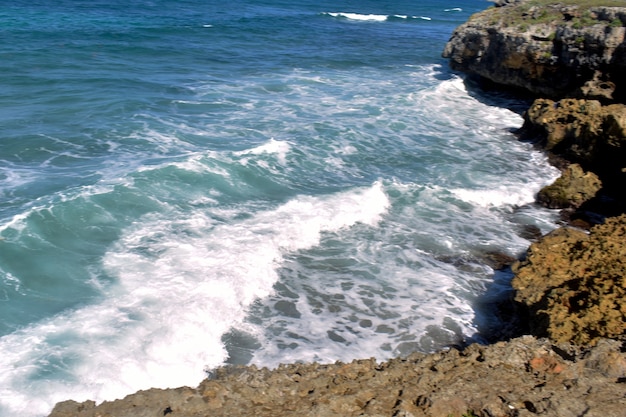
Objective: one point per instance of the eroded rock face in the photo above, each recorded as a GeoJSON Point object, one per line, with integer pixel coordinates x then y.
{"type": "Point", "coordinates": [571, 189]}
{"type": "Point", "coordinates": [581, 130]}
{"type": "Point", "coordinates": [574, 283]}
{"type": "Point", "coordinates": [554, 51]}
{"type": "Point", "coordinates": [584, 132]}
{"type": "Point", "coordinates": [521, 378]}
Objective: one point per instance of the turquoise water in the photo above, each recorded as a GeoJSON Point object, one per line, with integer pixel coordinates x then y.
{"type": "Point", "coordinates": [188, 184]}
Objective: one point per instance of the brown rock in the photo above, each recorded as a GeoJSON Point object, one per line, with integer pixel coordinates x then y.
{"type": "Point", "coordinates": [586, 133]}
{"type": "Point", "coordinates": [571, 189]}
{"type": "Point", "coordinates": [523, 377]}
{"type": "Point", "coordinates": [551, 51]}
{"type": "Point", "coordinates": [564, 121]}
{"type": "Point", "coordinates": [574, 284]}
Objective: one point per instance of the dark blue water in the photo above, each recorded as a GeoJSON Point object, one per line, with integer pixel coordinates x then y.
{"type": "Point", "coordinates": [192, 183]}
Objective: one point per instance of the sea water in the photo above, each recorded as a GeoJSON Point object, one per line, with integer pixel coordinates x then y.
{"type": "Point", "coordinates": [187, 184]}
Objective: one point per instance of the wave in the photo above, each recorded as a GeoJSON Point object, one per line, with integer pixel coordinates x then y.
{"type": "Point", "coordinates": [180, 281]}
{"type": "Point", "coordinates": [373, 17]}
{"type": "Point", "coordinates": [515, 194]}
{"type": "Point", "coordinates": [271, 147]}
{"type": "Point", "coordinates": [399, 16]}
{"type": "Point", "coordinates": [358, 16]}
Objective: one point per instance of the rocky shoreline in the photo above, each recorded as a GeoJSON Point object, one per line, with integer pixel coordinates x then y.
{"type": "Point", "coordinates": [570, 289]}
{"type": "Point", "coordinates": [523, 377]}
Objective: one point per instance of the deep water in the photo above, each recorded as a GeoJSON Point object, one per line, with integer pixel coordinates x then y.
{"type": "Point", "coordinates": [193, 183]}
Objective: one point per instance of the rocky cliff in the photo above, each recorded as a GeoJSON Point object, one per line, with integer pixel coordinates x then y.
{"type": "Point", "coordinates": [550, 50]}
{"type": "Point", "coordinates": [572, 58]}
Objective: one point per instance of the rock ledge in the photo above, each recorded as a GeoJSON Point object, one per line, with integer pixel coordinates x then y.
{"type": "Point", "coordinates": [525, 377]}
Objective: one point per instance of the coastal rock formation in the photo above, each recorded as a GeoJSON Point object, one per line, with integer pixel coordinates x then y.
{"type": "Point", "coordinates": [574, 283]}
{"type": "Point", "coordinates": [571, 189]}
{"type": "Point", "coordinates": [525, 377]}
{"type": "Point", "coordinates": [551, 51]}
{"type": "Point", "coordinates": [593, 137]}
{"type": "Point", "coordinates": [571, 283]}
{"type": "Point", "coordinates": [582, 131]}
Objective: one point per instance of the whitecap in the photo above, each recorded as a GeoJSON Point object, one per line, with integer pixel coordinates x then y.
{"type": "Point", "coordinates": [180, 282]}
{"type": "Point", "coordinates": [271, 147]}
{"type": "Point", "coordinates": [359, 17]}
{"type": "Point", "coordinates": [513, 195]}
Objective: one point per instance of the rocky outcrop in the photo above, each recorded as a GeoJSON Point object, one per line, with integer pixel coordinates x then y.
{"type": "Point", "coordinates": [551, 51]}
{"type": "Point", "coordinates": [525, 377]}
{"type": "Point", "coordinates": [574, 283]}
{"type": "Point", "coordinates": [583, 131]}
{"type": "Point", "coordinates": [590, 135]}
{"type": "Point", "coordinates": [573, 188]}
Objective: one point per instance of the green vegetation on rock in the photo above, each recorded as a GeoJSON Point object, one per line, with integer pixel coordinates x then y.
{"type": "Point", "coordinates": [580, 3]}
{"type": "Point", "coordinates": [576, 12]}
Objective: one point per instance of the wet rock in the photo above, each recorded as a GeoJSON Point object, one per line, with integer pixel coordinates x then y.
{"type": "Point", "coordinates": [530, 232]}
{"type": "Point", "coordinates": [496, 259]}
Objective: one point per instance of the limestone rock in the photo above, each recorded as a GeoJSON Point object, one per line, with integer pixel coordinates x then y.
{"type": "Point", "coordinates": [574, 284]}
{"type": "Point", "coordinates": [584, 132]}
{"type": "Point", "coordinates": [551, 51]}
{"type": "Point", "coordinates": [572, 189]}
{"type": "Point", "coordinates": [523, 377]}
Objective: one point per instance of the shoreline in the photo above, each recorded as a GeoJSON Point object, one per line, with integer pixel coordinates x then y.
{"type": "Point", "coordinates": [542, 373]}
{"type": "Point", "coordinates": [526, 376]}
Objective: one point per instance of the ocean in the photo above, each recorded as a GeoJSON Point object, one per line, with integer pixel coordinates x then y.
{"type": "Point", "coordinates": [188, 184]}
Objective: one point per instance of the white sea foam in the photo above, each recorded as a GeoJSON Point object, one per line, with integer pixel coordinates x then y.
{"type": "Point", "coordinates": [17, 222]}
{"type": "Point", "coordinates": [517, 194]}
{"type": "Point", "coordinates": [182, 282]}
{"type": "Point", "coordinates": [358, 16]}
{"type": "Point", "coordinates": [13, 177]}
{"type": "Point", "coordinates": [407, 287]}
{"type": "Point", "coordinates": [403, 16]}
{"type": "Point", "coordinates": [271, 147]}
